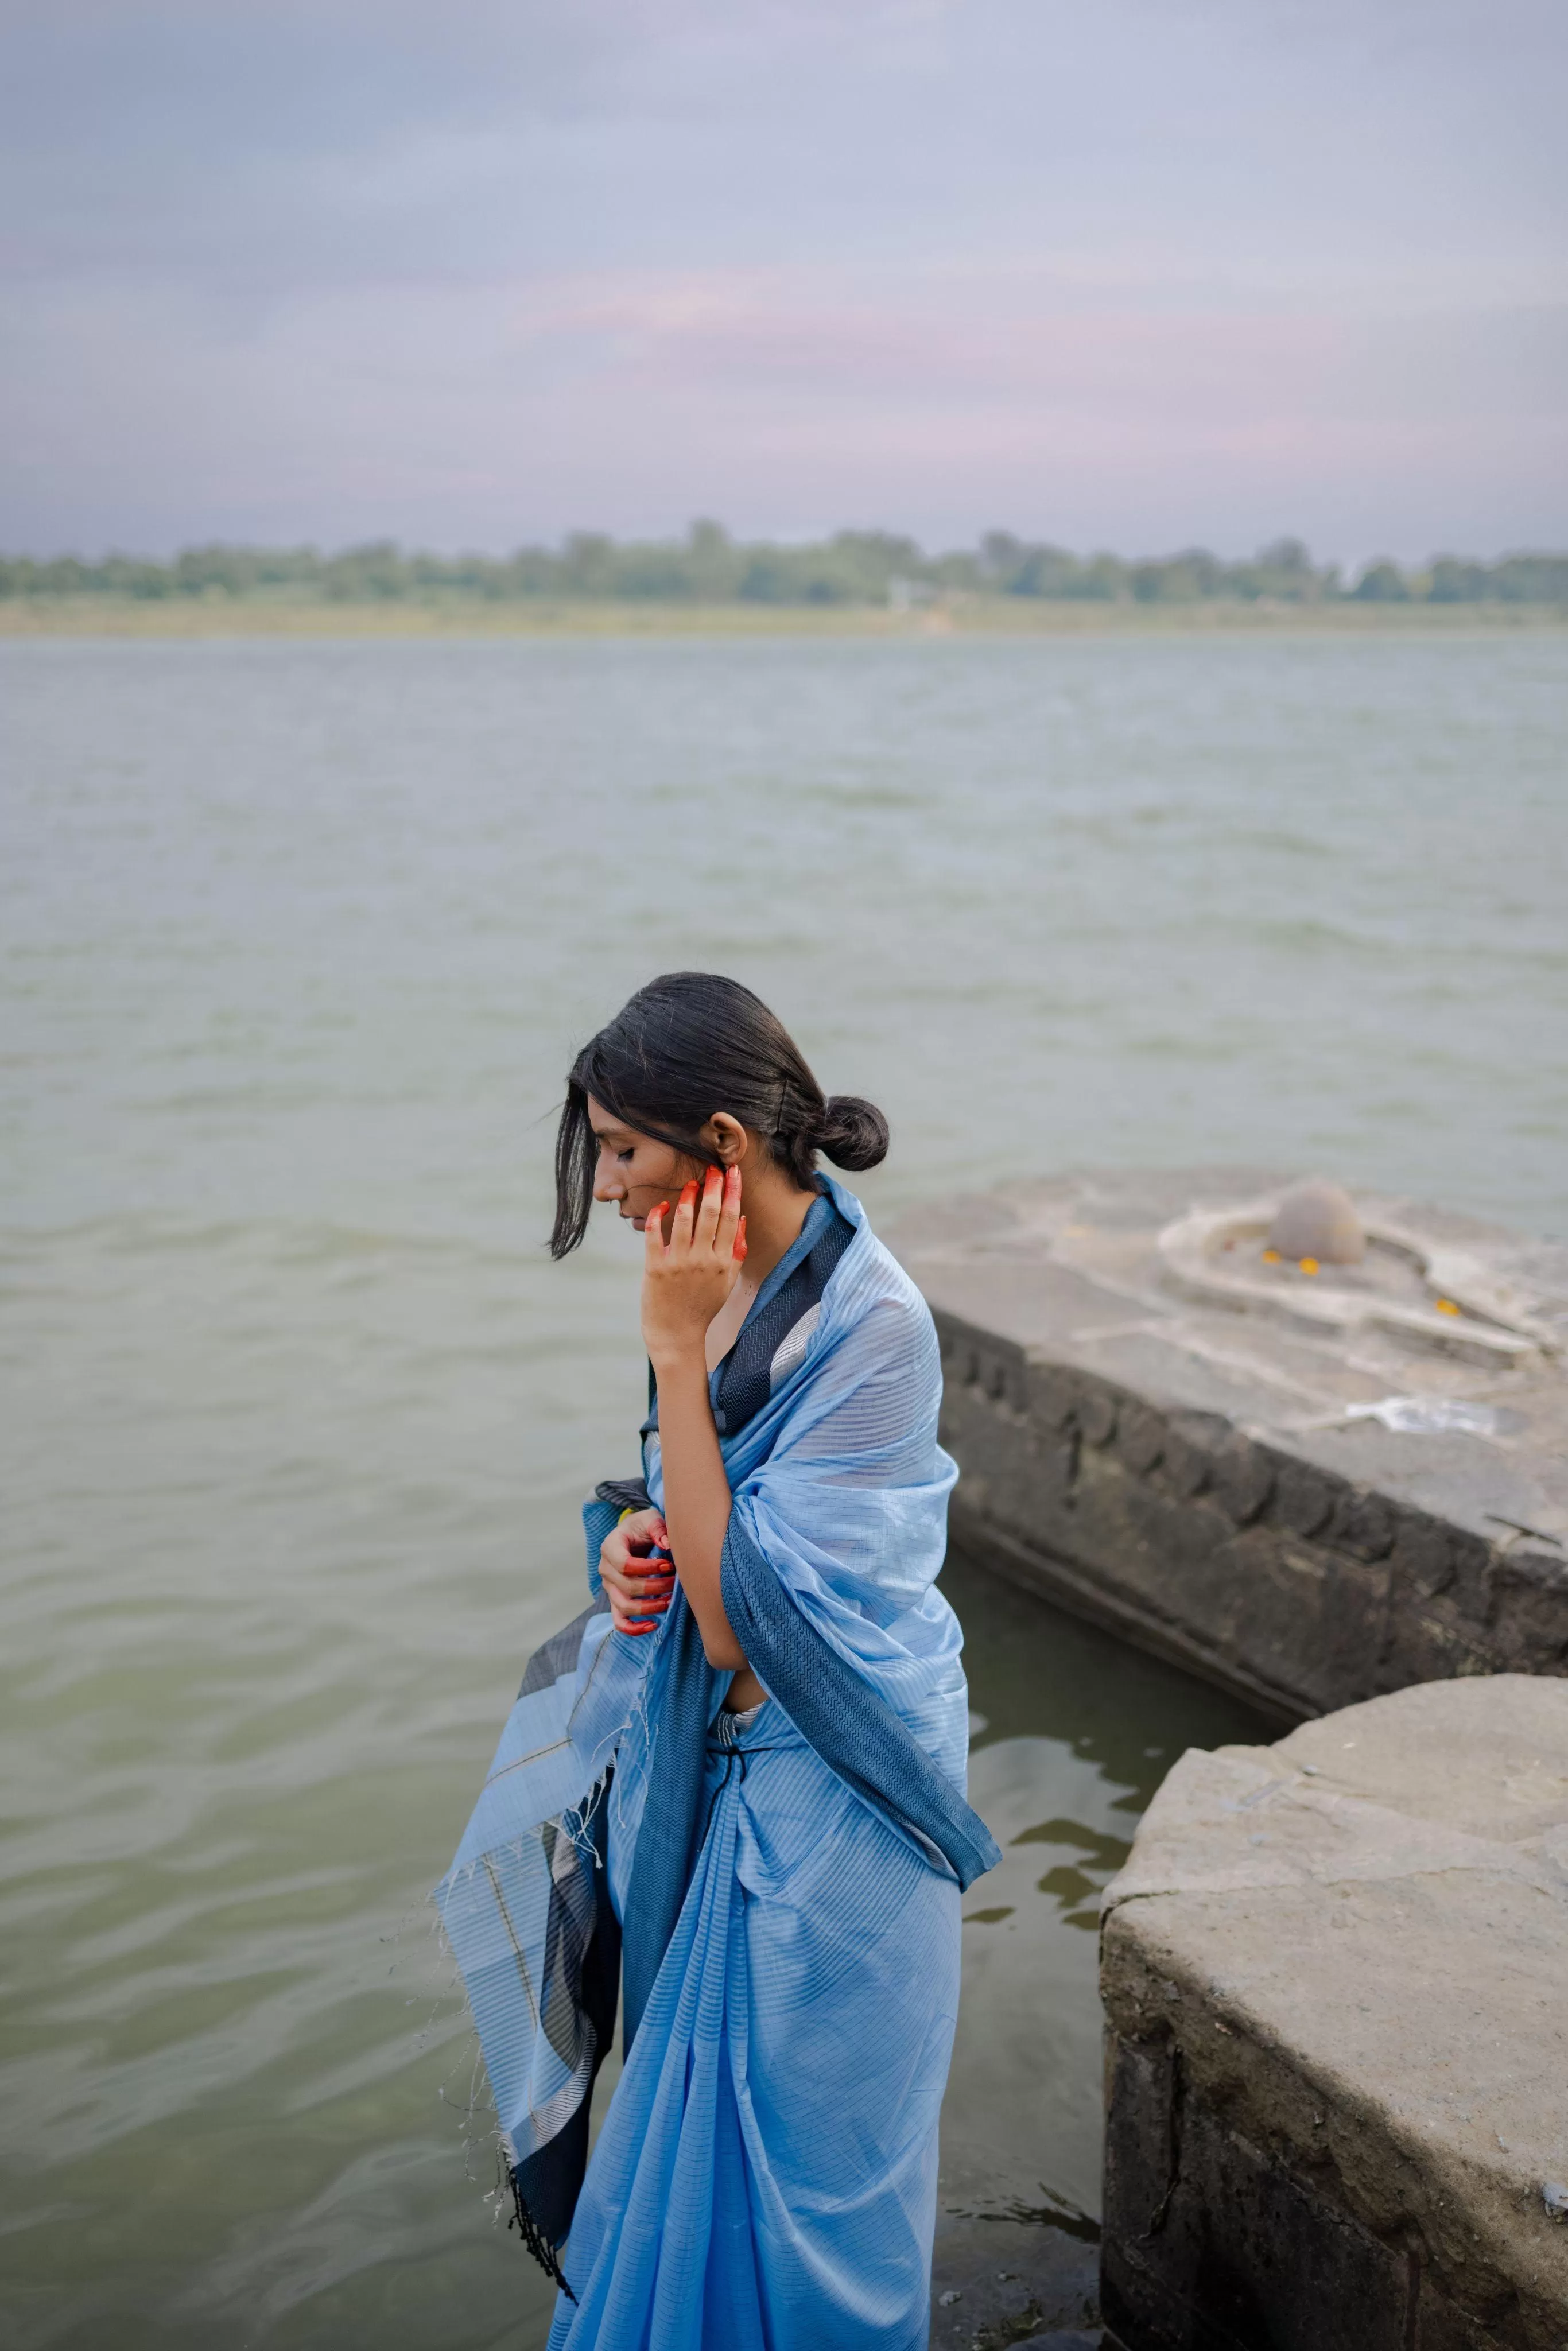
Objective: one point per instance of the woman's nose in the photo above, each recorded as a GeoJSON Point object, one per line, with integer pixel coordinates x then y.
{"type": "Point", "coordinates": [607, 1182]}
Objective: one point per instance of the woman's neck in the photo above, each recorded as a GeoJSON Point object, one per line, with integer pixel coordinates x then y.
{"type": "Point", "coordinates": [775, 1213]}
{"type": "Point", "coordinates": [775, 1210]}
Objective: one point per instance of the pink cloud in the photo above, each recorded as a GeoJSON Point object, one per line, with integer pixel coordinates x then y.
{"type": "Point", "coordinates": [991, 349]}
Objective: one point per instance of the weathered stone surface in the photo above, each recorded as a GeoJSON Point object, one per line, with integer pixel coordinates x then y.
{"type": "Point", "coordinates": [1197, 1469]}
{"type": "Point", "coordinates": [1335, 1980]}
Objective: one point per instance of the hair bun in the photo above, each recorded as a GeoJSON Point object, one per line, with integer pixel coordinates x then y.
{"type": "Point", "coordinates": [853, 1132]}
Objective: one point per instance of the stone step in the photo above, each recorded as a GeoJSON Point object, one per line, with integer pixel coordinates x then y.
{"type": "Point", "coordinates": [1312, 1487]}
{"type": "Point", "coordinates": [1335, 1980]}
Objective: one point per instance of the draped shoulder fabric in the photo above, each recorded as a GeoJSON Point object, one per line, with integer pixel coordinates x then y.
{"type": "Point", "coordinates": [780, 1890]}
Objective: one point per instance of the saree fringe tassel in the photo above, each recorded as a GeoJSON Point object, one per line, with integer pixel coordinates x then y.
{"type": "Point", "coordinates": [534, 2237]}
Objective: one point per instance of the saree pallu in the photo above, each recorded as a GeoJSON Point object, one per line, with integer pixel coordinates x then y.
{"type": "Point", "coordinates": [787, 1913]}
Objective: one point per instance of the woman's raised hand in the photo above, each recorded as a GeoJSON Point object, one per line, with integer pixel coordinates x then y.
{"type": "Point", "coordinates": [639, 1587]}
{"type": "Point", "coordinates": [687, 1278]}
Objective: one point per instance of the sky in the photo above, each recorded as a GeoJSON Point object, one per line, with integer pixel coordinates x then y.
{"type": "Point", "coordinates": [1132, 274]}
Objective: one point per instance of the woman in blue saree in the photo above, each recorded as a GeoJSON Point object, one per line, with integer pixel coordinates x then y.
{"type": "Point", "coordinates": [739, 1773]}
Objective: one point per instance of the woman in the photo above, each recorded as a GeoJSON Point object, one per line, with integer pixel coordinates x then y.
{"type": "Point", "coordinates": [739, 1773]}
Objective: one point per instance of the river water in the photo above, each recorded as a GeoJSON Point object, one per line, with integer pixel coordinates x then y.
{"type": "Point", "coordinates": [297, 940]}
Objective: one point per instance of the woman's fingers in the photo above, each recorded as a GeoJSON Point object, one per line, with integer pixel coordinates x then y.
{"type": "Point", "coordinates": [685, 1219]}
{"type": "Point", "coordinates": [705, 1221]}
{"type": "Point", "coordinates": [716, 1226]}
{"type": "Point", "coordinates": [638, 1575]}
{"type": "Point", "coordinates": [631, 1577]}
{"type": "Point", "coordinates": [631, 1540]}
{"type": "Point", "coordinates": [638, 1602]}
{"type": "Point", "coordinates": [640, 1588]}
{"type": "Point", "coordinates": [726, 1220]}
{"type": "Point", "coordinates": [627, 1613]}
{"type": "Point", "coordinates": [648, 1587]}
{"type": "Point", "coordinates": [739, 1250]}
{"type": "Point", "coordinates": [709, 1211]}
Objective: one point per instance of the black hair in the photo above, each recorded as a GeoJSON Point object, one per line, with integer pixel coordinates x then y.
{"type": "Point", "coordinates": [687, 1045]}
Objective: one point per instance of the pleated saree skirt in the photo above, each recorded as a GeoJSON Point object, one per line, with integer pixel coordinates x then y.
{"type": "Point", "coordinates": [766, 2176]}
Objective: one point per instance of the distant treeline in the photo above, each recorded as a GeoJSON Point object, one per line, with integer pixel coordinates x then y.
{"type": "Point", "coordinates": [708, 567]}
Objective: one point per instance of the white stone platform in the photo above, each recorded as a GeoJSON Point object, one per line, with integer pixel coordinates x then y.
{"type": "Point", "coordinates": [1335, 1980]}
{"type": "Point", "coordinates": [1312, 1484]}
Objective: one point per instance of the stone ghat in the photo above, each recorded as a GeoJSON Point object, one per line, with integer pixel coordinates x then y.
{"type": "Point", "coordinates": [1335, 1982]}
{"type": "Point", "coordinates": [1312, 1484]}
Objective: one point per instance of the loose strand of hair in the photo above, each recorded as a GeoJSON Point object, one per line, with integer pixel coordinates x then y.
{"type": "Point", "coordinates": [574, 1162]}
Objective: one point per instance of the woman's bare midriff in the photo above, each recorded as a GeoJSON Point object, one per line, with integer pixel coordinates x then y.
{"type": "Point", "coordinates": [745, 1692]}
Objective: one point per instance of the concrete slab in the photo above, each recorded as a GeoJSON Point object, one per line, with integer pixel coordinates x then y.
{"type": "Point", "coordinates": [1312, 1484]}
{"type": "Point", "coordinates": [1335, 1982]}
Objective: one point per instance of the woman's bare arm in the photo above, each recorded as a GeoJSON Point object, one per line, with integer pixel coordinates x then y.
{"type": "Point", "coordinates": [696, 1503]}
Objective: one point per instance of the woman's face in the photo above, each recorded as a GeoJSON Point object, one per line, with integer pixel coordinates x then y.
{"type": "Point", "coordinates": [633, 1170]}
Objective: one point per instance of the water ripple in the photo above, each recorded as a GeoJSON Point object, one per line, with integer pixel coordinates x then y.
{"type": "Point", "coordinates": [300, 940]}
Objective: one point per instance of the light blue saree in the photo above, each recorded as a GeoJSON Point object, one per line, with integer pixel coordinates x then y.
{"type": "Point", "coordinates": [786, 1885]}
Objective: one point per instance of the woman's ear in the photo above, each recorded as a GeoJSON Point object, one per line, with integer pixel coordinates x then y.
{"type": "Point", "coordinates": [726, 1138]}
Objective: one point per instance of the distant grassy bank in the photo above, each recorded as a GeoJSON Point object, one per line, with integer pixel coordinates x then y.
{"type": "Point", "coordinates": [472, 616]}
{"type": "Point", "coordinates": [856, 583]}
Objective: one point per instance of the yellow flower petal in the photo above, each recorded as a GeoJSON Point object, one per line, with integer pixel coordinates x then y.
{"type": "Point", "coordinates": [1271, 1256]}
{"type": "Point", "coordinates": [1446, 1306]}
{"type": "Point", "coordinates": [1309, 1265]}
